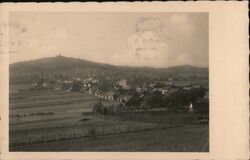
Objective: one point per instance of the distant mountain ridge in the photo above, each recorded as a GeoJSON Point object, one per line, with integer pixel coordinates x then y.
{"type": "Point", "coordinates": [60, 64]}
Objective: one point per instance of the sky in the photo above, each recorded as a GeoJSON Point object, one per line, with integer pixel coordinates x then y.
{"type": "Point", "coordinates": [132, 39]}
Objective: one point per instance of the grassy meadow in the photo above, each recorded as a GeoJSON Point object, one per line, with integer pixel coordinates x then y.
{"type": "Point", "coordinates": [52, 120]}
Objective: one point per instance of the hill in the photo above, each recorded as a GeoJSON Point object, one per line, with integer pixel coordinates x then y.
{"type": "Point", "coordinates": [72, 66]}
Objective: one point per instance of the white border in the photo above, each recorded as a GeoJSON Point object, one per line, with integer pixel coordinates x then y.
{"type": "Point", "coordinates": [228, 79]}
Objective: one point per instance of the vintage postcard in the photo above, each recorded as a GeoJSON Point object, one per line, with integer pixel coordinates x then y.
{"type": "Point", "coordinates": [124, 80]}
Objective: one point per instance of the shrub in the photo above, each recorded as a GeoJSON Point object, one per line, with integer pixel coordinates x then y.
{"type": "Point", "coordinates": [85, 119]}
{"type": "Point", "coordinates": [92, 133]}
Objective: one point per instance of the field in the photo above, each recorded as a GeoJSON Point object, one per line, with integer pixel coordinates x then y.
{"type": "Point", "coordinates": [188, 139]}
{"type": "Point", "coordinates": [52, 120]}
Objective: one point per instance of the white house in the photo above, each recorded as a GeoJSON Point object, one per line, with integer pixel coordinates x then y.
{"type": "Point", "coordinates": [190, 108]}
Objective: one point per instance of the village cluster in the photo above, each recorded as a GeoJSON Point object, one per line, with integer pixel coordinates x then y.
{"type": "Point", "coordinates": [175, 95]}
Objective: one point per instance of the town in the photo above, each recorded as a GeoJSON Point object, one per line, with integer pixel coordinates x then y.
{"type": "Point", "coordinates": [119, 82]}
{"type": "Point", "coordinates": [87, 101]}
{"type": "Point", "coordinates": [129, 93]}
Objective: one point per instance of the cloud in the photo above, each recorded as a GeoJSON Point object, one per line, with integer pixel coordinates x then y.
{"type": "Point", "coordinates": [143, 49]}
{"type": "Point", "coordinates": [182, 22]}
{"type": "Point", "coordinates": [137, 39]}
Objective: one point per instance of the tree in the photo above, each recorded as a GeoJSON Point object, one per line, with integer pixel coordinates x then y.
{"type": "Point", "coordinates": [92, 133]}
{"type": "Point", "coordinates": [104, 85]}
{"type": "Point", "coordinates": [134, 101]}
{"type": "Point", "coordinates": [122, 91]}
{"type": "Point", "coordinates": [155, 100]}
{"type": "Point", "coordinates": [76, 87]}
{"type": "Point", "coordinates": [98, 108]}
{"type": "Point", "coordinates": [182, 98]}
{"type": "Point", "coordinates": [110, 109]}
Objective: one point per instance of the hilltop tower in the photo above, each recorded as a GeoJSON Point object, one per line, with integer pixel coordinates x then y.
{"type": "Point", "coordinates": [59, 55]}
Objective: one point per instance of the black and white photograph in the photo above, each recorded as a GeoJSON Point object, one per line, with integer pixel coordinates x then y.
{"type": "Point", "coordinates": [108, 81]}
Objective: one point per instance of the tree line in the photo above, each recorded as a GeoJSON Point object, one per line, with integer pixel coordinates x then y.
{"type": "Point", "coordinates": [174, 101]}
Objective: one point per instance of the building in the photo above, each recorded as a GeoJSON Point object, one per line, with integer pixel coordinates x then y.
{"type": "Point", "coordinates": [190, 108]}
{"type": "Point", "coordinates": [58, 87]}
{"type": "Point", "coordinates": [187, 88]}
{"type": "Point", "coordinates": [138, 89]}
{"type": "Point", "coordinates": [169, 83]}
{"type": "Point", "coordinates": [152, 85]}
{"type": "Point", "coordinates": [123, 98]}
{"type": "Point", "coordinates": [123, 83]}
{"type": "Point", "coordinates": [110, 95]}
{"type": "Point", "coordinates": [171, 91]}
{"type": "Point", "coordinates": [163, 90]}
{"type": "Point", "coordinates": [196, 86]}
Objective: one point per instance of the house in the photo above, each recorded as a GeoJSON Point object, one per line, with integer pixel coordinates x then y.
{"type": "Point", "coordinates": [45, 84]}
{"type": "Point", "coordinates": [66, 86]}
{"type": "Point", "coordinates": [169, 83]}
{"type": "Point", "coordinates": [82, 90]}
{"type": "Point", "coordinates": [77, 79]}
{"type": "Point", "coordinates": [34, 84]}
{"type": "Point", "coordinates": [39, 83]}
{"type": "Point", "coordinates": [104, 95]}
{"type": "Point", "coordinates": [110, 95]}
{"type": "Point", "coordinates": [123, 98]}
{"type": "Point", "coordinates": [89, 81]}
{"type": "Point", "coordinates": [152, 85]}
{"type": "Point", "coordinates": [99, 94]}
{"type": "Point", "coordinates": [68, 90]}
{"type": "Point", "coordinates": [87, 84]}
{"type": "Point", "coordinates": [190, 108]}
{"type": "Point", "coordinates": [187, 88]}
{"type": "Point", "coordinates": [171, 91]}
{"type": "Point", "coordinates": [97, 91]}
{"type": "Point", "coordinates": [68, 81]}
{"type": "Point", "coordinates": [170, 79]}
{"type": "Point", "coordinates": [123, 84]}
{"type": "Point", "coordinates": [163, 90]}
{"type": "Point", "coordinates": [138, 89]}
{"type": "Point", "coordinates": [158, 89]}
{"type": "Point", "coordinates": [58, 87]}
{"type": "Point", "coordinates": [92, 90]}
{"type": "Point", "coordinates": [196, 86]}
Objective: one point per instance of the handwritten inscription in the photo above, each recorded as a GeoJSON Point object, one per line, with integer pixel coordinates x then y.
{"type": "Point", "coordinates": [6, 28]}
{"type": "Point", "coordinates": [145, 24]}
{"type": "Point", "coordinates": [146, 43]}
